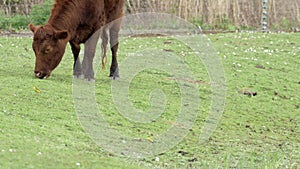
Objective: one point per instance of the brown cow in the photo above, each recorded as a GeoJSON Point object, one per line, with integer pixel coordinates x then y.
{"type": "Point", "coordinates": [76, 21]}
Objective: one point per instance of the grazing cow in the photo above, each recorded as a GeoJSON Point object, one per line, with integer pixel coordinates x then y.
{"type": "Point", "coordinates": [76, 22]}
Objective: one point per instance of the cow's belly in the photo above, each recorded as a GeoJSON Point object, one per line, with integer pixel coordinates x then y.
{"type": "Point", "coordinates": [83, 33]}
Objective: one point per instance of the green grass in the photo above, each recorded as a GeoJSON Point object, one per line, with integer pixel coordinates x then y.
{"type": "Point", "coordinates": [41, 130]}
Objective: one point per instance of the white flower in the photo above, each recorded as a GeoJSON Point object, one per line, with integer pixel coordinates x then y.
{"type": "Point", "coordinates": [157, 159]}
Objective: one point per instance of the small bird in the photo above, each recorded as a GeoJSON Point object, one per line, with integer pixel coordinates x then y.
{"type": "Point", "coordinates": [37, 90]}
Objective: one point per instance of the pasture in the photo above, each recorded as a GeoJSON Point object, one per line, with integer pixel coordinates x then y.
{"type": "Point", "coordinates": [40, 129]}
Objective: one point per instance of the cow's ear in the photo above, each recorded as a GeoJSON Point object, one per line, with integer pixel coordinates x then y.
{"type": "Point", "coordinates": [31, 27]}
{"type": "Point", "coordinates": [61, 34]}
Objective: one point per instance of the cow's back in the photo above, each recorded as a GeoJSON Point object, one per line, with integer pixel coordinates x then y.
{"type": "Point", "coordinates": [113, 9]}
{"type": "Point", "coordinates": [80, 18]}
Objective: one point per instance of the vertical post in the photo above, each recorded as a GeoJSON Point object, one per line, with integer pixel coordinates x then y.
{"type": "Point", "coordinates": [264, 15]}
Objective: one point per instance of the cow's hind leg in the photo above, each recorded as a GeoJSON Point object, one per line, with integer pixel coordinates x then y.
{"type": "Point", "coordinates": [77, 69]}
{"type": "Point", "coordinates": [89, 53]}
{"type": "Point", "coordinates": [114, 44]}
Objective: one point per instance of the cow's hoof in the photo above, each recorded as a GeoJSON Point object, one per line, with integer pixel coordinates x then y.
{"type": "Point", "coordinates": [78, 76]}
{"type": "Point", "coordinates": [114, 77]}
{"type": "Point", "coordinates": [90, 79]}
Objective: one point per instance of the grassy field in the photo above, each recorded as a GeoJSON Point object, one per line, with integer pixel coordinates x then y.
{"type": "Point", "coordinates": [42, 130]}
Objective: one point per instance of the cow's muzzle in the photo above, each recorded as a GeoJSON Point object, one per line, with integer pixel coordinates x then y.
{"type": "Point", "coordinates": [41, 75]}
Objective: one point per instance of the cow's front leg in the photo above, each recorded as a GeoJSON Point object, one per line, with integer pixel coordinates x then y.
{"type": "Point", "coordinates": [114, 44]}
{"type": "Point", "coordinates": [77, 69]}
{"type": "Point", "coordinates": [89, 53]}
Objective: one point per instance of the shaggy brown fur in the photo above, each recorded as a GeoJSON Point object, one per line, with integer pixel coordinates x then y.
{"type": "Point", "coordinates": [75, 21]}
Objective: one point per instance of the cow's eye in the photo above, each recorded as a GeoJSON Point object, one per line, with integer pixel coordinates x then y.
{"type": "Point", "coordinates": [48, 49]}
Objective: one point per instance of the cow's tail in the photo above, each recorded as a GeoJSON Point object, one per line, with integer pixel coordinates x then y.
{"type": "Point", "coordinates": [104, 37]}
{"type": "Point", "coordinates": [104, 60]}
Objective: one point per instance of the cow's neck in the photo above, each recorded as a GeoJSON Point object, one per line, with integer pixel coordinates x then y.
{"type": "Point", "coordinates": [64, 18]}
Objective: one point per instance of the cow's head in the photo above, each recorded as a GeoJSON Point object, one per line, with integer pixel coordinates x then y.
{"type": "Point", "coordinates": [49, 47]}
